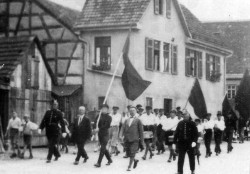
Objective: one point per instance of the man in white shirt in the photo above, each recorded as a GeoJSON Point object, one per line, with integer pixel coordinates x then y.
{"type": "Point", "coordinates": [13, 131]}
{"type": "Point", "coordinates": [219, 126]}
{"type": "Point", "coordinates": [114, 130]}
{"type": "Point", "coordinates": [169, 127]}
{"type": "Point", "coordinates": [208, 126]}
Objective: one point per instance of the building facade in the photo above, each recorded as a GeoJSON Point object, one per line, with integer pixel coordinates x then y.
{"type": "Point", "coordinates": [168, 47]}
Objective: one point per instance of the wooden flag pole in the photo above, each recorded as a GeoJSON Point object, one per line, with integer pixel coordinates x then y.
{"type": "Point", "coordinates": [109, 88]}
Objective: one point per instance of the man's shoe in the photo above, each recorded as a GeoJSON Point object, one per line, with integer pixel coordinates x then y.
{"type": "Point", "coordinates": [48, 161]}
{"type": "Point", "coordinates": [31, 157]}
{"type": "Point", "coordinates": [117, 153]}
{"type": "Point", "coordinates": [151, 156]}
{"type": "Point", "coordinates": [125, 156]}
{"type": "Point", "coordinates": [85, 159]}
{"type": "Point", "coordinates": [192, 172]}
{"type": "Point", "coordinates": [169, 161]}
{"type": "Point", "coordinates": [144, 157]}
{"type": "Point", "coordinates": [97, 165]}
{"type": "Point", "coordinates": [128, 169]}
{"type": "Point", "coordinates": [109, 162]}
{"type": "Point", "coordinates": [21, 156]}
{"type": "Point", "coordinates": [135, 163]}
{"type": "Point", "coordinates": [76, 162]}
{"type": "Point", "coordinates": [13, 155]}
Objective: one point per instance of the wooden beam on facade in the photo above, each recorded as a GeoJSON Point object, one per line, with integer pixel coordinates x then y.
{"type": "Point", "coordinates": [45, 27]}
{"type": "Point", "coordinates": [69, 63]}
{"type": "Point", "coordinates": [37, 28]}
{"type": "Point", "coordinates": [20, 18]}
{"type": "Point", "coordinates": [30, 17]}
{"type": "Point", "coordinates": [8, 19]}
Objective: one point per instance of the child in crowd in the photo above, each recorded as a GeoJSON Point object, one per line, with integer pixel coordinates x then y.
{"type": "Point", "coordinates": [200, 128]}
{"type": "Point", "coordinates": [27, 130]}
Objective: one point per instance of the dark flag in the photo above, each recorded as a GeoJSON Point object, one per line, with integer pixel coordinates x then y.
{"type": "Point", "coordinates": [196, 99]}
{"type": "Point", "coordinates": [132, 82]}
{"type": "Point", "coordinates": [242, 98]}
{"type": "Point", "coordinates": [226, 107]}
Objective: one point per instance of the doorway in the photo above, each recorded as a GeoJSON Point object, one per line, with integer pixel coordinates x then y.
{"type": "Point", "coordinates": [4, 107]}
{"type": "Point", "coordinates": [168, 104]}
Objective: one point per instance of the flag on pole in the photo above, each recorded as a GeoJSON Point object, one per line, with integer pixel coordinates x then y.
{"type": "Point", "coordinates": [242, 98]}
{"type": "Point", "coordinates": [197, 100]}
{"type": "Point", "coordinates": [132, 82]}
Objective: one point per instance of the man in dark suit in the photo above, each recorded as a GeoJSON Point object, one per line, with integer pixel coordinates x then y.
{"type": "Point", "coordinates": [82, 132]}
{"type": "Point", "coordinates": [185, 138]}
{"type": "Point", "coordinates": [51, 121]}
{"type": "Point", "coordinates": [102, 126]}
{"type": "Point", "coordinates": [132, 133]}
{"type": "Point", "coordinates": [230, 122]}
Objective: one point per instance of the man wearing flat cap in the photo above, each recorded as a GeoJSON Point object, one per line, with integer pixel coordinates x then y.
{"type": "Point", "coordinates": [51, 121]}
{"type": "Point", "coordinates": [102, 126]}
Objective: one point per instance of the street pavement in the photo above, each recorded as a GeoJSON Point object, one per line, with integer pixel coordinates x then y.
{"type": "Point", "coordinates": [237, 162]}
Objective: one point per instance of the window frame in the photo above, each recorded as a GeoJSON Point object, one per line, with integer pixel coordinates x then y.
{"type": "Point", "coordinates": [173, 60]}
{"type": "Point", "coordinates": [153, 49]}
{"type": "Point", "coordinates": [168, 8]}
{"type": "Point", "coordinates": [166, 52]}
{"type": "Point", "coordinates": [197, 58]}
{"type": "Point", "coordinates": [149, 101]}
{"type": "Point", "coordinates": [215, 64]}
{"type": "Point", "coordinates": [101, 46]}
{"type": "Point", "coordinates": [158, 7]}
{"type": "Point", "coordinates": [231, 91]}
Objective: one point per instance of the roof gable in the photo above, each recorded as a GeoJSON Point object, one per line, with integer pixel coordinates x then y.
{"type": "Point", "coordinates": [99, 13]}
{"type": "Point", "coordinates": [13, 51]}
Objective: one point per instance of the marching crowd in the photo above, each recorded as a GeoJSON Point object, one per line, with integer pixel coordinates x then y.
{"type": "Point", "coordinates": [136, 130]}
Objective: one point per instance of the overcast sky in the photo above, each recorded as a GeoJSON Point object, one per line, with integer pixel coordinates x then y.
{"type": "Point", "coordinates": [205, 10]}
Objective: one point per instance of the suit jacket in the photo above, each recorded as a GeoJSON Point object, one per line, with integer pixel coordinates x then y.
{"type": "Point", "coordinates": [51, 121]}
{"type": "Point", "coordinates": [134, 132]}
{"type": "Point", "coordinates": [81, 131]}
{"type": "Point", "coordinates": [186, 131]}
{"type": "Point", "coordinates": [104, 125]}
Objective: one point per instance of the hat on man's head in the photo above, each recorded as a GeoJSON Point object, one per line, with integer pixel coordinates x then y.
{"type": "Point", "coordinates": [173, 111]}
{"type": "Point", "coordinates": [156, 110]}
{"type": "Point", "coordinates": [219, 113]}
{"type": "Point", "coordinates": [197, 120]}
{"type": "Point", "coordinates": [138, 106]}
{"type": "Point", "coordinates": [178, 108]}
{"type": "Point", "coordinates": [132, 107]}
{"type": "Point", "coordinates": [129, 106]}
{"type": "Point", "coordinates": [115, 108]}
{"type": "Point", "coordinates": [148, 108]}
{"type": "Point", "coordinates": [105, 106]}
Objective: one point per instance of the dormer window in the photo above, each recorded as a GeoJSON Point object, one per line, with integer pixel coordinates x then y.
{"type": "Point", "coordinates": [158, 7]}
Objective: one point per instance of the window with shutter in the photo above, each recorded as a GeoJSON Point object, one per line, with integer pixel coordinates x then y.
{"type": "Point", "coordinates": [166, 56]}
{"type": "Point", "coordinates": [187, 63]}
{"type": "Point", "coordinates": [149, 54]}
{"type": "Point", "coordinates": [168, 9]}
{"type": "Point", "coordinates": [174, 59]}
{"type": "Point", "coordinates": [213, 70]}
{"type": "Point", "coordinates": [207, 67]}
{"type": "Point", "coordinates": [35, 72]}
{"type": "Point", "coordinates": [200, 68]}
{"type": "Point", "coordinates": [157, 7]}
{"type": "Point", "coordinates": [28, 71]}
{"type": "Point", "coordinates": [157, 55]}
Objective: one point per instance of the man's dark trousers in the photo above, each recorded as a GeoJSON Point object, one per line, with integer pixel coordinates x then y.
{"type": "Point", "coordinates": [81, 151]}
{"type": "Point", "coordinates": [183, 148]}
{"type": "Point", "coordinates": [53, 149]}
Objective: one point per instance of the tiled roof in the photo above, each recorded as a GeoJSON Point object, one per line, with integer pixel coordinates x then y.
{"type": "Point", "coordinates": [98, 13]}
{"type": "Point", "coordinates": [65, 90]}
{"type": "Point", "coordinates": [12, 52]}
{"type": "Point", "coordinates": [236, 34]}
{"type": "Point", "coordinates": [198, 30]}
{"type": "Point", "coordinates": [65, 15]}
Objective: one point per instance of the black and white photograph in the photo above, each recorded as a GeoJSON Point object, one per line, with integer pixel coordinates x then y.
{"type": "Point", "coordinates": [124, 86]}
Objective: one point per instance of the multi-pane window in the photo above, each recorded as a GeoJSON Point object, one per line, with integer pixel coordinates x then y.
{"type": "Point", "coordinates": [158, 7]}
{"type": "Point", "coordinates": [100, 101]}
{"type": "Point", "coordinates": [174, 59]}
{"type": "Point", "coordinates": [166, 56]}
{"type": "Point", "coordinates": [193, 63]}
{"type": "Point", "coordinates": [231, 91]}
{"type": "Point", "coordinates": [152, 54]}
{"type": "Point", "coordinates": [103, 53]}
{"type": "Point", "coordinates": [213, 70]}
{"type": "Point", "coordinates": [149, 101]}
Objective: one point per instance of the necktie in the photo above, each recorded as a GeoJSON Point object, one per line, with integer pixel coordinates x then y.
{"type": "Point", "coordinates": [80, 120]}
